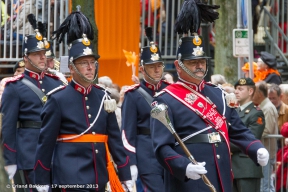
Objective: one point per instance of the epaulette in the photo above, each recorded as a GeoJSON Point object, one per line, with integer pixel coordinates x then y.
{"type": "Point", "coordinates": [159, 93]}
{"type": "Point", "coordinates": [211, 84]}
{"type": "Point", "coordinates": [52, 76]}
{"type": "Point", "coordinates": [99, 86]}
{"type": "Point", "coordinates": [132, 87]}
{"type": "Point", "coordinates": [15, 78]}
{"type": "Point", "coordinates": [61, 87]}
{"type": "Point", "coordinates": [166, 82]}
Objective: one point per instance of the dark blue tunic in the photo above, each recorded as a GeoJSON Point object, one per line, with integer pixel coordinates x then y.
{"type": "Point", "coordinates": [216, 156]}
{"type": "Point", "coordinates": [20, 103]}
{"type": "Point", "coordinates": [71, 111]}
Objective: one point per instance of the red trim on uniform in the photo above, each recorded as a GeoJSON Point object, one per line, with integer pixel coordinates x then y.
{"type": "Point", "coordinates": [194, 86]}
{"type": "Point", "coordinates": [63, 190]}
{"type": "Point", "coordinates": [257, 141]}
{"type": "Point", "coordinates": [39, 162]}
{"type": "Point", "coordinates": [127, 160]}
{"type": "Point", "coordinates": [82, 89]}
{"type": "Point", "coordinates": [218, 171]}
{"type": "Point", "coordinates": [152, 86]}
{"type": "Point", "coordinates": [143, 183]}
{"type": "Point", "coordinates": [169, 158]}
{"type": "Point", "coordinates": [5, 145]}
{"type": "Point", "coordinates": [13, 79]}
{"type": "Point", "coordinates": [132, 87]}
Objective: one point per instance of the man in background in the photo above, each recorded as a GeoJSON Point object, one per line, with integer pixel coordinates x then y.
{"type": "Point", "coordinates": [271, 127]}
{"type": "Point", "coordinates": [247, 175]}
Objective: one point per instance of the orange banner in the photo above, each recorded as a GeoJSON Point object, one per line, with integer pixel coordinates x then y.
{"type": "Point", "coordinates": [118, 25]}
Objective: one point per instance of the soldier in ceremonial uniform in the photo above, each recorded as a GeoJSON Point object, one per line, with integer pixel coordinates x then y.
{"type": "Point", "coordinates": [247, 175]}
{"type": "Point", "coordinates": [201, 116]}
{"type": "Point", "coordinates": [53, 66]}
{"type": "Point", "coordinates": [79, 127]}
{"type": "Point", "coordinates": [19, 67]}
{"type": "Point", "coordinates": [136, 119]}
{"type": "Point", "coordinates": [22, 101]}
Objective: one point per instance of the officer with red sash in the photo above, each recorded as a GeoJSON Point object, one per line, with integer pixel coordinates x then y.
{"type": "Point", "coordinates": [22, 101]}
{"type": "Point", "coordinates": [202, 118]}
{"type": "Point", "coordinates": [136, 119]}
{"type": "Point", "coordinates": [79, 127]}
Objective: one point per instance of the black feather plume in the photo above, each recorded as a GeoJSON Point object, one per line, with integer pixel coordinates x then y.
{"type": "Point", "coordinates": [32, 20]}
{"type": "Point", "coordinates": [191, 15]}
{"type": "Point", "coordinates": [75, 25]}
{"type": "Point", "coordinates": [149, 33]}
{"type": "Point", "coordinates": [42, 27]}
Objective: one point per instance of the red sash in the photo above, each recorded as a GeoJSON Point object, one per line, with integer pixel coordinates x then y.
{"type": "Point", "coordinates": [202, 106]}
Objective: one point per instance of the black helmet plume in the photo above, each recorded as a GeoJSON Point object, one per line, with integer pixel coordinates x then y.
{"type": "Point", "coordinates": [32, 20]}
{"type": "Point", "coordinates": [75, 25]}
{"type": "Point", "coordinates": [191, 15]}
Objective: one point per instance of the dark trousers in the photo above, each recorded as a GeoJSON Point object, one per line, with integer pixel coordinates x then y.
{"type": "Point", "coordinates": [244, 185]}
{"type": "Point", "coordinates": [152, 182]}
{"type": "Point", "coordinates": [27, 177]}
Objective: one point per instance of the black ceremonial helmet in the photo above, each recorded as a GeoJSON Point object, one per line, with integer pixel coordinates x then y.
{"type": "Point", "coordinates": [151, 54]}
{"type": "Point", "coordinates": [35, 42]}
{"type": "Point", "coordinates": [79, 35]}
{"type": "Point", "coordinates": [189, 19]}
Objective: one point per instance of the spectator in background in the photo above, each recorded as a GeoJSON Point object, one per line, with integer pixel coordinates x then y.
{"type": "Point", "coordinates": [227, 87]}
{"type": "Point", "coordinates": [4, 14]}
{"type": "Point", "coordinates": [275, 96]}
{"type": "Point", "coordinates": [246, 69]}
{"type": "Point", "coordinates": [282, 162]}
{"type": "Point", "coordinates": [271, 127]}
{"type": "Point", "coordinates": [218, 79]}
{"type": "Point", "coordinates": [114, 94]}
{"type": "Point", "coordinates": [21, 22]}
{"type": "Point", "coordinates": [168, 77]}
{"type": "Point", "coordinates": [266, 65]}
{"type": "Point", "coordinates": [284, 90]}
{"type": "Point", "coordinates": [105, 81]}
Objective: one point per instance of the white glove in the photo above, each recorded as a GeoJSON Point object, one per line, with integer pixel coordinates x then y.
{"type": "Point", "coordinates": [11, 170]}
{"type": "Point", "coordinates": [195, 171]}
{"type": "Point", "coordinates": [134, 172]}
{"type": "Point", "coordinates": [42, 188]}
{"type": "Point", "coordinates": [128, 185]}
{"type": "Point", "coordinates": [262, 156]}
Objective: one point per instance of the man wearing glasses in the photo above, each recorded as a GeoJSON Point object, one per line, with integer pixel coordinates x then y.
{"type": "Point", "coordinates": [22, 101]}
{"type": "Point", "coordinates": [79, 127]}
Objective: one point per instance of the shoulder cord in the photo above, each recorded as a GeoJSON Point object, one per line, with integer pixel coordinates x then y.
{"type": "Point", "coordinates": [106, 95]}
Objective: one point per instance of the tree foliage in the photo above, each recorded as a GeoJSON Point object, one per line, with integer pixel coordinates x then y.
{"type": "Point", "coordinates": [225, 62]}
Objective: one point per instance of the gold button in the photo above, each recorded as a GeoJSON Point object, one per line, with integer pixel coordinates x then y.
{"type": "Point", "coordinates": [43, 90]}
{"type": "Point", "coordinates": [96, 151]}
{"type": "Point", "coordinates": [87, 107]}
{"type": "Point", "coordinates": [218, 156]}
{"type": "Point", "coordinates": [86, 98]}
{"type": "Point", "coordinates": [40, 82]}
{"type": "Point", "coordinates": [93, 133]}
{"type": "Point", "coordinates": [89, 115]}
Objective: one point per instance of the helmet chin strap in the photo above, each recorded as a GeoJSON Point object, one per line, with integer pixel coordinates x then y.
{"type": "Point", "coordinates": [82, 76]}
{"type": "Point", "coordinates": [152, 79]}
{"type": "Point", "coordinates": [190, 73]}
{"type": "Point", "coordinates": [36, 65]}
